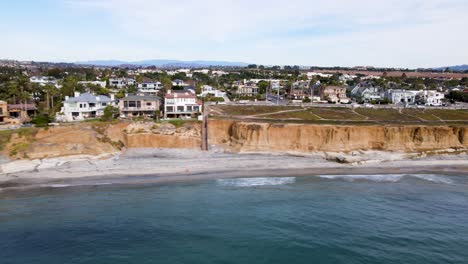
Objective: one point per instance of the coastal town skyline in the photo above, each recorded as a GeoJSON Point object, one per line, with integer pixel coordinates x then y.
{"type": "Point", "coordinates": [404, 34]}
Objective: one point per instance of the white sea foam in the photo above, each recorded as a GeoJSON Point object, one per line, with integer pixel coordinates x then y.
{"type": "Point", "coordinates": [253, 182]}
{"type": "Point", "coordinates": [72, 185]}
{"type": "Point", "coordinates": [390, 177]}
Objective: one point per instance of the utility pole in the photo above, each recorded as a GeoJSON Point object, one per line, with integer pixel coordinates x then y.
{"type": "Point", "coordinates": [277, 96]}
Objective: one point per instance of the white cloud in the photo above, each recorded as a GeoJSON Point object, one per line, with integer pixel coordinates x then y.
{"type": "Point", "coordinates": [412, 33]}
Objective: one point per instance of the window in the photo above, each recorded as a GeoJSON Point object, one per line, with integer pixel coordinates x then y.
{"type": "Point", "coordinates": [149, 104]}
{"type": "Point", "coordinates": [180, 109]}
{"type": "Point", "coordinates": [104, 104]}
{"type": "Point", "coordinates": [169, 109]}
{"type": "Point", "coordinates": [189, 108]}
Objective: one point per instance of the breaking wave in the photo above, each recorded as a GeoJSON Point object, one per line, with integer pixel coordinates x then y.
{"type": "Point", "coordinates": [390, 177]}
{"type": "Point", "coordinates": [254, 182]}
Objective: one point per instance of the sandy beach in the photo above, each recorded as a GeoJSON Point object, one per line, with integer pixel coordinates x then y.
{"type": "Point", "coordinates": [137, 166]}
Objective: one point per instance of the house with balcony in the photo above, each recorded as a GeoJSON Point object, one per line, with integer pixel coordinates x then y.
{"type": "Point", "coordinates": [84, 106]}
{"type": "Point", "coordinates": [139, 106]}
{"type": "Point", "coordinates": [210, 90]}
{"type": "Point", "coordinates": [149, 87]}
{"type": "Point", "coordinates": [431, 97]}
{"type": "Point", "coordinates": [398, 96]}
{"type": "Point", "coordinates": [21, 113]}
{"type": "Point", "coordinates": [120, 83]}
{"type": "Point", "coordinates": [334, 94]}
{"type": "Point", "coordinates": [365, 92]}
{"type": "Point", "coordinates": [181, 104]}
{"type": "Point", "coordinates": [247, 89]}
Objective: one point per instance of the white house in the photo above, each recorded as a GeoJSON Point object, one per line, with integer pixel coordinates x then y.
{"type": "Point", "coordinates": [178, 82]}
{"type": "Point", "coordinates": [43, 80]}
{"type": "Point", "coordinates": [100, 83]}
{"type": "Point", "coordinates": [432, 98]}
{"type": "Point", "coordinates": [121, 82]}
{"type": "Point", "coordinates": [207, 89]}
{"type": "Point", "coordinates": [149, 88]}
{"type": "Point", "coordinates": [367, 93]}
{"type": "Point", "coordinates": [401, 96]}
{"type": "Point", "coordinates": [181, 104]}
{"type": "Point", "coordinates": [83, 106]}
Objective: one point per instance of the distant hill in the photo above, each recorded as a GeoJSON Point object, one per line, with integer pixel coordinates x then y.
{"type": "Point", "coordinates": [460, 68]}
{"type": "Point", "coordinates": [163, 63]}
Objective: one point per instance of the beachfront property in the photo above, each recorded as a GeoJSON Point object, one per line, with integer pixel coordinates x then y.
{"type": "Point", "coordinates": [3, 112]}
{"type": "Point", "coordinates": [149, 87]}
{"type": "Point", "coordinates": [139, 106]}
{"type": "Point", "coordinates": [21, 113]}
{"type": "Point", "coordinates": [333, 94]}
{"type": "Point", "coordinates": [84, 106]}
{"type": "Point", "coordinates": [121, 82]}
{"type": "Point", "coordinates": [181, 104]}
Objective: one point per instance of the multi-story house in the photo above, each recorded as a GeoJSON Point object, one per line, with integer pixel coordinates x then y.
{"type": "Point", "coordinates": [149, 87]}
{"type": "Point", "coordinates": [139, 105]}
{"type": "Point", "coordinates": [181, 104]}
{"type": "Point", "coordinates": [3, 111]}
{"type": "Point", "coordinates": [179, 83]}
{"type": "Point", "coordinates": [398, 96]}
{"type": "Point", "coordinates": [432, 98]}
{"type": "Point", "coordinates": [83, 106]}
{"type": "Point", "coordinates": [43, 80]}
{"type": "Point", "coordinates": [209, 90]}
{"type": "Point", "coordinates": [334, 94]}
{"type": "Point", "coordinates": [99, 83]}
{"type": "Point", "coordinates": [364, 92]}
{"type": "Point", "coordinates": [249, 89]}
{"type": "Point", "coordinates": [121, 82]}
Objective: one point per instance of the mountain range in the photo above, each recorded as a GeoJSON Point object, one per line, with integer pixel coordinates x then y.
{"type": "Point", "coordinates": [163, 63]}
{"type": "Point", "coordinates": [460, 68]}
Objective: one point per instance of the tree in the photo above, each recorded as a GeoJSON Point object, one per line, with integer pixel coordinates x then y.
{"type": "Point", "coordinates": [262, 87]}
{"type": "Point", "coordinates": [157, 115]}
{"type": "Point", "coordinates": [252, 66]}
{"type": "Point", "coordinates": [110, 113]}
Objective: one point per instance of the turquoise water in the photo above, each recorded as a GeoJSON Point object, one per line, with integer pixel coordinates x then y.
{"type": "Point", "coordinates": [328, 219]}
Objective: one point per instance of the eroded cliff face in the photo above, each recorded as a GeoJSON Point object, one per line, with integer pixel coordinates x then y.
{"type": "Point", "coordinates": [165, 135]}
{"type": "Point", "coordinates": [96, 139]}
{"type": "Point", "coordinates": [247, 136]}
{"type": "Point", "coordinates": [236, 136]}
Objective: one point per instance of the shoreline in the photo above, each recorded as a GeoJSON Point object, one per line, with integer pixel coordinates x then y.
{"type": "Point", "coordinates": [148, 166]}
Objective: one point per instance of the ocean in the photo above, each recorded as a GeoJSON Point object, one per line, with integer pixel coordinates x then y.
{"type": "Point", "coordinates": [317, 219]}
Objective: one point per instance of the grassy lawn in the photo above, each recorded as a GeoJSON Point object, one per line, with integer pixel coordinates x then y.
{"type": "Point", "coordinates": [386, 115]}
{"type": "Point", "coordinates": [301, 115]}
{"type": "Point", "coordinates": [247, 110]}
{"type": "Point", "coordinates": [421, 113]}
{"type": "Point", "coordinates": [337, 113]}
{"type": "Point", "coordinates": [449, 115]}
{"type": "Point", "coordinates": [347, 115]}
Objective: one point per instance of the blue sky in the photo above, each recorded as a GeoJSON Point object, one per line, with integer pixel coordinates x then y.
{"type": "Point", "coordinates": [396, 33]}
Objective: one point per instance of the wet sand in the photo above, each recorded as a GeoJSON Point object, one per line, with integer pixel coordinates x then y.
{"type": "Point", "coordinates": [140, 166]}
